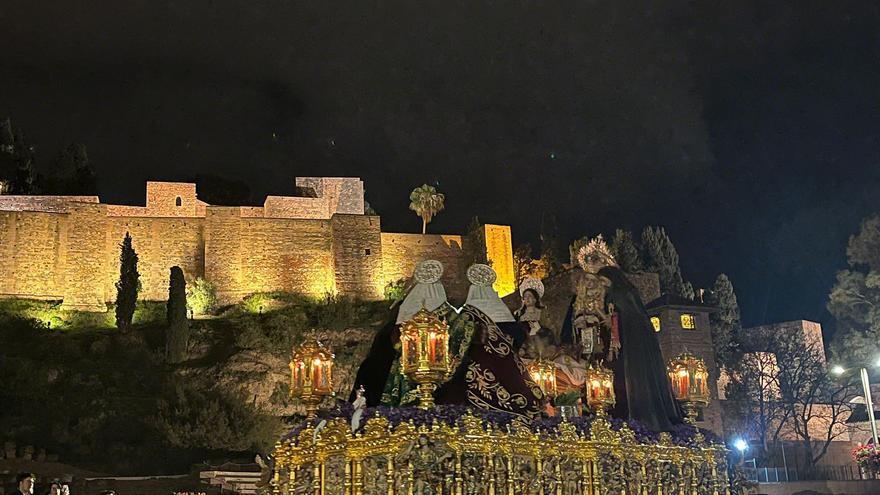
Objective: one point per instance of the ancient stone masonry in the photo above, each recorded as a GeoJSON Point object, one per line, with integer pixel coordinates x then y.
{"type": "Point", "coordinates": [67, 247]}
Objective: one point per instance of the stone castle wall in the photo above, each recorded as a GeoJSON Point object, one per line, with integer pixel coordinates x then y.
{"type": "Point", "coordinates": [283, 254]}
{"type": "Point", "coordinates": [160, 244]}
{"type": "Point", "coordinates": [32, 248]}
{"type": "Point", "coordinates": [68, 247]}
{"type": "Point", "coordinates": [401, 253]}
{"type": "Point", "coordinates": [85, 267]}
{"type": "Point", "coordinates": [53, 204]}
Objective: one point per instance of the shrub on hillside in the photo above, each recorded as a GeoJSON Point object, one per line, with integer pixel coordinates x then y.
{"type": "Point", "coordinates": [275, 332]}
{"type": "Point", "coordinates": [258, 302]}
{"type": "Point", "coordinates": [341, 312]}
{"type": "Point", "coordinates": [394, 291]}
{"type": "Point", "coordinates": [195, 417]}
{"type": "Point", "coordinates": [49, 315]}
{"type": "Point", "coordinates": [201, 296]}
{"type": "Point", "coordinates": [149, 312]}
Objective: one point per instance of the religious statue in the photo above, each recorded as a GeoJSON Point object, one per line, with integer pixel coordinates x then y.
{"type": "Point", "coordinates": [359, 404]}
{"type": "Point", "coordinates": [641, 383]}
{"type": "Point", "coordinates": [490, 374]}
{"type": "Point", "coordinates": [483, 339]}
{"type": "Point", "coordinates": [540, 342]}
{"type": "Point", "coordinates": [593, 331]}
{"type": "Point", "coordinates": [379, 374]}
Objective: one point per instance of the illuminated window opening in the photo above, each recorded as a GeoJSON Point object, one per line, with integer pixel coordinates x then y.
{"type": "Point", "coordinates": [655, 321]}
{"type": "Point", "coordinates": [687, 321]}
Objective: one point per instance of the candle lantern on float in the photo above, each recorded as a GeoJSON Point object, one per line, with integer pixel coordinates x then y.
{"type": "Point", "coordinates": [600, 388]}
{"type": "Point", "coordinates": [543, 373]}
{"type": "Point", "coordinates": [424, 359]}
{"type": "Point", "coordinates": [690, 383]}
{"type": "Point", "coordinates": [311, 374]}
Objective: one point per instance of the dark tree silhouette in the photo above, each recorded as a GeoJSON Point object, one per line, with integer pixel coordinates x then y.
{"type": "Point", "coordinates": [128, 285]}
{"type": "Point", "coordinates": [177, 333]}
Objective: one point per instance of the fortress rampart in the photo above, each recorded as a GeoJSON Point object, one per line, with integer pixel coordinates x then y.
{"type": "Point", "coordinates": [67, 247]}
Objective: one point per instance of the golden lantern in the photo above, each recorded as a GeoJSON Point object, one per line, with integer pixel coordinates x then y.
{"type": "Point", "coordinates": [690, 382]}
{"type": "Point", "coordinates": [424, 360]}
{"type": "Point", "coordinates": [543, 373]}
{"type": "Point", "coordinates": [600, 389]}
{"type": "Point", "coordinates": [311, 374]}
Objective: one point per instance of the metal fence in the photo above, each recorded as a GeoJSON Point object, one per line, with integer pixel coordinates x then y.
{"type": "Point", "coordinates": [829, 473]}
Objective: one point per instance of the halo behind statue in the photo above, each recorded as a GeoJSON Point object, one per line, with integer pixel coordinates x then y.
{"type": "Point", "coordinates": [428, 272]}
{"type": "Point", "coordinates": [531, 283]}
{"type": "Point", "coordinates": [483, 275]}
{"type": "Point", "coordinates": [595, 252]}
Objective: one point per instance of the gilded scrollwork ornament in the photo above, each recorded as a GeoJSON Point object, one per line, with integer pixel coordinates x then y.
{"type": "Point", "coordinates": [475, 456]}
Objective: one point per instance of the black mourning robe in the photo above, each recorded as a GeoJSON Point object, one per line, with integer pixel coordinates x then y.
{"type": "Point", "coordinates": [373, 371]}
{"type": "Point", "coordinates": [639, 368]}
{"type": "Point", "coordinates": [491, 376]}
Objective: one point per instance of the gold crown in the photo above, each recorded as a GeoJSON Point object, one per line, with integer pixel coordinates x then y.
{"type": "Point", "coordinates": [596, 249]}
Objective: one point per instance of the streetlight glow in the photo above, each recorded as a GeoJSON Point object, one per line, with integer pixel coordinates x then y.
{"type": "Point", "coordinates": [740, 445]}
{"type": "Point", "coordinates": [838, 369]}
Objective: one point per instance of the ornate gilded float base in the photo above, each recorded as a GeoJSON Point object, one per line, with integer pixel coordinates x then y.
{"type": "Point", "coordinates": [471, 458]}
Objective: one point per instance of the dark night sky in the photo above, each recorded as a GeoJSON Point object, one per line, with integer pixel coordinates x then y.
{"type": "Point", "coordinates": [748, 129]}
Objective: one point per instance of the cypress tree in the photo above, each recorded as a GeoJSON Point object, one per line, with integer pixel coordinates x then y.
{"type": "Point", "coordinates": [128, 285]}
{"type": "Point", "coordinates": [661, 257]}
{"type": "Point", "coordinates": [72, 173]}
{"type": "Point", "coordinates": [25, 157]}
{"type": "Point", "coordinates": [626, 252]}
{"type": "Point", "coordinates": [725, 323]}
{"type": "Point", "coordinates": [177, 334]}
{"type": "Point", "coordinates": [17, 159]}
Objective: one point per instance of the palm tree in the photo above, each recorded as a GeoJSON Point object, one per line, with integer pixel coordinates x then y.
{"type": "Point", "coordinates": [426, 202]}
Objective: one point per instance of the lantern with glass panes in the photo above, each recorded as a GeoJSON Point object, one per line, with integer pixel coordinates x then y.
{"type": "Point", "coordinates": [599, 385]}
{"type": "Point", "coordinates": [543, 373]}
{"type": "Point", "coordinates": [311, 374]}
{"type": "Point", "coordinates": [424, 359]}
{"type": "Point", "coordinates": [690, 383]}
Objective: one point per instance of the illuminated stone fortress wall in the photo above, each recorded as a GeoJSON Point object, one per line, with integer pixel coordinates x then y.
{"type": "Point", "coordinates": [67, 247]}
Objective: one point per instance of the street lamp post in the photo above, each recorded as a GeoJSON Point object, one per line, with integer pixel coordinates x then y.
{"type": "Point", "coordinates": [869, 402]}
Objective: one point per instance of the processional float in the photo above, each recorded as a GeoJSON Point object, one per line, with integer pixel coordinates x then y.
{"type": "Point", "coordinates": [432, 449]}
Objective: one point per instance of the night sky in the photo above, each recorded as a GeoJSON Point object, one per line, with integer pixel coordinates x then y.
{"type": "Point", "coordinates": [749, 129]}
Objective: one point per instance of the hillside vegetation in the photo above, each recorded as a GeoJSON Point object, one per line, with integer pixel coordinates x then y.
{"type": "Point", "coordinates": [109, 401]}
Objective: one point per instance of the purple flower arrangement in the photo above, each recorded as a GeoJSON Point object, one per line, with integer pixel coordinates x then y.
{"type": "Point", "coordinates": [682, 435]}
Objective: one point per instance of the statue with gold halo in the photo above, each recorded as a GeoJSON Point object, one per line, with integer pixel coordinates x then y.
{"type": "Point", "coordinates": [640, 382]}
{"type": "Point", "coordinates": [592, 329]}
